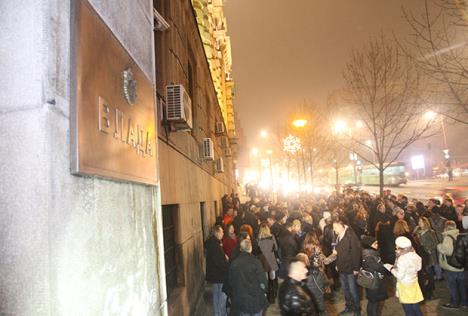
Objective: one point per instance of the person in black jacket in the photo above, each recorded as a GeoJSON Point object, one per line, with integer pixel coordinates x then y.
{"type": "Point", "coordinates": [348, 263]}
{"type": "Point", "coordinates": [248, 282]}
{"type": "Point", "coordinates": [288, 248]}
{"type": "Point", "coordinates": [216, 269]}
{"type": "Point", "coordinates": [371, 262]}
{"type": "Point", "coordinates": [294, 298]}
{"type": "Point", "coordinates": [461, 249]}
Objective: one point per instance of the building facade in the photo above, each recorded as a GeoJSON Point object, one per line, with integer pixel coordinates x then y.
{"type": "Point", "coordinates": [192, 184]}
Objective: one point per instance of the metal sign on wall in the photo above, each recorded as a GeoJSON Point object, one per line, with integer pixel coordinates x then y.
{"type": "Point", "coordinates": [113, 132]}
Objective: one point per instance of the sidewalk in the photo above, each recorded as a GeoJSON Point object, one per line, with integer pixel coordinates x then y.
{"type": "Point", "coordinates": [391, 307]}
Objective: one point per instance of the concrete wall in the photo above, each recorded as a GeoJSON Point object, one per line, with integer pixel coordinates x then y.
{"type": "Point", "coordinates": [69, 245]}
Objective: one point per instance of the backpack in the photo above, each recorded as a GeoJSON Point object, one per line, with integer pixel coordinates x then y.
{"type": "Point", "coordinates": [451, 260]}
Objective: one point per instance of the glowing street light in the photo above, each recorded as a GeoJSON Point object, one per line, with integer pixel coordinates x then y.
{"type": "Point", "coordinates": [369, 143]}
{"type": "Point", "coordinates": [299, 123]}
{"type": "Point", "coordinates": [430, 115]}
{"type": "Point", "coordinates": [339, 127]}
{"type": "Point", "coordinates": [359, 124]}
{"type": "Point", "coordinates": [263, 133]}
{"type": "Point", "coordinates": [269, 151]}
{"type": "Point", "coordinates": [254, 151]}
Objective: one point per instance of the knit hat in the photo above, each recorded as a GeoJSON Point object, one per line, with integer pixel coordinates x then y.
{"type": "Point", "coordinates": [465, 222]}
{"type": "Point", "coordinates": [367, 241]}
{"type": "Point", "coordinates": [403, 242]}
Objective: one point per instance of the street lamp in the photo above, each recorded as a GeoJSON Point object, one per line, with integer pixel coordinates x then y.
{"type": "Point", "coordinates": [263, 133]}
{"type": "Point", "coordinates": [431, 115]}
{"type": "Point", "coordinates": [339, 127]}
{"type": "Point", "coordinates": [299, 123]}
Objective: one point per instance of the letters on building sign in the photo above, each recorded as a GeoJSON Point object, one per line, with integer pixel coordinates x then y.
{"type": "Point", "coordinates": [123, 129]}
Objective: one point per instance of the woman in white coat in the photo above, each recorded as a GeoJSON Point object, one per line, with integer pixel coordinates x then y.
{"type": "Point", "coordinates": [405, 270]}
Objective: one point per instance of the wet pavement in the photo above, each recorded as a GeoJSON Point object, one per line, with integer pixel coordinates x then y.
{"type": "Point", "coordinates": [391, 306]}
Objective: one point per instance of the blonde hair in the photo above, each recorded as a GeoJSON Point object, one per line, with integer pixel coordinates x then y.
{"type": "Point", "coordinates": [264, 231]}
{"type": "Point", "coordinates": [303, 257]}
{"type": "Point", "coordinates": [401, 227]}
{"type": "Point", "coordinates": [426, 222]}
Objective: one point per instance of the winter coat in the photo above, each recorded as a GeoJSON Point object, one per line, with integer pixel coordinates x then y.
{"type": "Point", "coordinates": [446, 247]}
{"type": "Point", "coordinates": [288, 250]}
{"type": "Point", "coordinates": [428, 240]}
{"type": "Point", "coordinates": [216, 263]}
{"type": "Point", "coordinates": [461, 250]}
{"type": "Point", "coordinates": [248, 284]}
{"type": "Point", "coordinates": [406, 268]}
{"type": "Point", "coordinates": [349, 252]}
{"type": "Point", "coordinates": [438, 224]}
{"type": "Point", "coordinates": [448, 212]}
{"type": "Point", "coordinates": [328, 239]}
{"type": "Point", "coordinates": [268, 247]}
{"type": "Point", "coordinates": [229, 244]}
{"type": "Point", "coordinates": [295, 299]}
{"type": "Point", "coordinates": [386, 241]}
{"type": "Point", "coordinates": [371, 262]}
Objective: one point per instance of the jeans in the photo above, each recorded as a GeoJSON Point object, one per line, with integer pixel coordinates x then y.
{"type": "Point", "coordinates": [456, 285]}
{"type": "Point", "coordinates": [350, 290]}
{"type": "Point", "coordinates": [438, 271]}
{"type": "Point", "coordinates": [412, 309]}
{"type": "Point", "coordinates": [247, 314]}
{"type": "Point", "coordinates": [219, 300]}
{"type": "Point", "coordinates": [373, 308]}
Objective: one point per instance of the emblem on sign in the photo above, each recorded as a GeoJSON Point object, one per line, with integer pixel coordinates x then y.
{"type": "Point", "coordinates": [129, 86]}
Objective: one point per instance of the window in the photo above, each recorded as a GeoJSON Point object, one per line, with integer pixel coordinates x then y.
{"type": "Point", "coordinates": [169, 213]}
{"type": "Point", "coordinates": [203, 220]}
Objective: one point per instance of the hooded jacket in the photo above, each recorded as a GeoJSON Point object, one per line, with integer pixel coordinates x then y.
{"type": "Point", "coordinates": [446, 248]}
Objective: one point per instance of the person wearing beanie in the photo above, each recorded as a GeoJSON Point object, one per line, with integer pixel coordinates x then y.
{"type": "Point", "coordinates": [405, 270]}
{"type": "Point", "coordinates": [372, 262]}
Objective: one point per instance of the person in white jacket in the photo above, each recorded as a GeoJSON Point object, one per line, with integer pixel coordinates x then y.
{"type": "Point", "coordinates": [405, 270]}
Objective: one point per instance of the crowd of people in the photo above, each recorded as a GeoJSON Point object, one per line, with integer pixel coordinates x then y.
{"type": "Point", "coordinates": [300, 251]}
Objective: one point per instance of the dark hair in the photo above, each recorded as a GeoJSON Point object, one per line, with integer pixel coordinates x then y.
{"type": "Point", "coordinates": [288, 224]}
{"type": "Point", "coordinates": [226, 230]}
{"type": "Point", "coordinates": [216, 228]}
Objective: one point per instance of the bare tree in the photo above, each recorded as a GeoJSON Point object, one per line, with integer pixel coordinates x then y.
{"type": "Point", "coordinates": [438, 45]}
{"type": "Point", "coordinates": [383, 93]}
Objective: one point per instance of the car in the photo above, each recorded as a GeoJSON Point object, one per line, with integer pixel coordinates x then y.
{"type": "Point", "coordinates": [457, 194]}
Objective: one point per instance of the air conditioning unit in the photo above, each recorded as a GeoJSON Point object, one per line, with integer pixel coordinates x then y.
{"type": "Point", "coordinates": [207, 149]}
{"type": "Point", "coordinates": [179, 107]}
{"type": "Point", "coordinates": [219, 128]}
{"type": "Point", "coordinates": [228, 152]}
{"type": "Point", "coordinates": [219, 165]}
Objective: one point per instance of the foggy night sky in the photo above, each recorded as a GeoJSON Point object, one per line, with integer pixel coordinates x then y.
{"type": "Point", "coordinates": [290, 50]}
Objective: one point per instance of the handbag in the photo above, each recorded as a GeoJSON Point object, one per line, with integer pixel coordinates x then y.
{"type": "Point", "coordinates": [367, 279]}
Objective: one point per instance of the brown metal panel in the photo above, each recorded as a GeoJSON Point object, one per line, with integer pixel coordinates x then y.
{"type": "Point", "coordinates": [113, 134]}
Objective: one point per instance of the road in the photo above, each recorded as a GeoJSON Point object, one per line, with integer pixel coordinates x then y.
{"type": "Point", "coordinates": [422, 189]}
